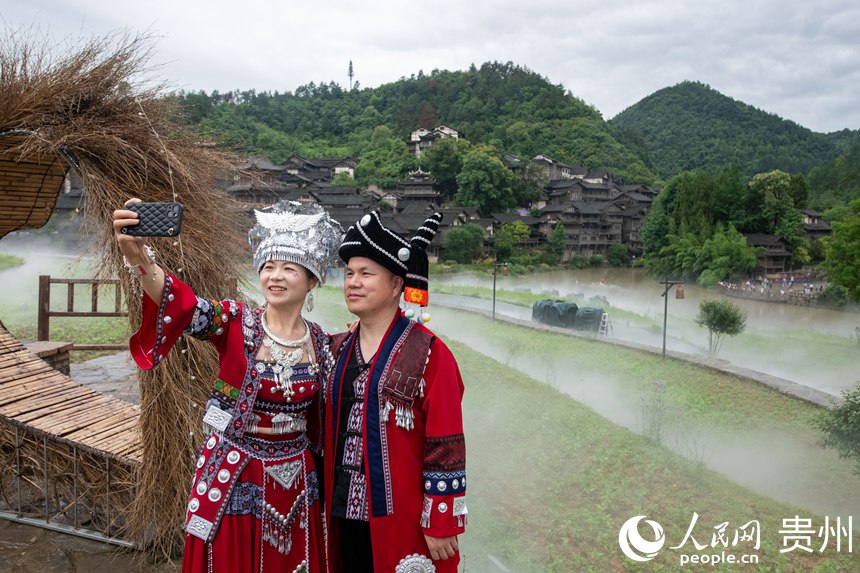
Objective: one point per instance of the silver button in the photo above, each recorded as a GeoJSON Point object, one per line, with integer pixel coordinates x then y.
{"type": "Point", "coordinates": [223, 476]}
{"type": "Point", "coordinates": [233, 457]}
{"type": "Point", "coordinates": [193, 505]}
{"type": "Point", "coordinates": [441, 486]}
{"type": "Point", "coordinates": [365, 221]}
{"type": "Point", "coordinates": [211, 443]}
{"type": "Point", "coordinates": [201, 488]}
{"type": "Point", "coordinates": [200, 461]}
{"type": "Point", "coordinates": [455, 484]}
{"type": "Point", "coordinates": [214, 494]}
{"type": "Point", "coordinates": [170, 297]}
{"type": "Point", "coordinates": [164, 340]}
{"type": "Point", "coordinates": [443, 507]}
{"type": "Point", "coordinates": [219, 331]}
{"type": "Point", "coordinates": [427, 485]}
{"type": "Point", "coordinates": [167, 320]}
{"type": "Point", "coordinates": [403, 254]}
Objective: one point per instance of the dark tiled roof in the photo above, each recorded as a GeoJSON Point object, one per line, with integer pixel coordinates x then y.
{"type": "Point", "coordinates": [595, 186]}
{"type": "Point", "coordinates": [639, 197]}
{"type": "Point", "coordinates": [590, 207]}
{"type": "Point", "coordinates": [555, 208]}
{"type": "Point", "coordinates": [561, 183]}
{"type": "Point", "coordinates": [763, 240]}
{"type": "Point", "coordinates": [323, 190]}
{"type": "Point", "coordinates": [260, 163]}
{"type": "Point", "coordinates": [344, 200]}
{"type": "Point", "coordinates": [346, 216]}
{"type": "Point", "coordinates": [505, 218]}
{"type": "Point", "coordinates": [417, 208]}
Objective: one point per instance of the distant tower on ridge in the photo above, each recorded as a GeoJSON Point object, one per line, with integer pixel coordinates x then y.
{"type": "Point", "coordinates": [351, 75]}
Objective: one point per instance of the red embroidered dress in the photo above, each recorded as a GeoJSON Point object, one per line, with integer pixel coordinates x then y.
{"type": "Point", "coordinates": [255, 502]}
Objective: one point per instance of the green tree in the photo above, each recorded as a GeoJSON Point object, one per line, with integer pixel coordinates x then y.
{"type": "Point", "coordinates": [616, 255]}
{"type": "Point", "coordinates": [484, 182]}
{"type": "Point", "coordinates": [343, 179]}
{"type": "Point", "coordinates": [729, 196]}
{"type": "Point", "coordinates": [655, 226]}
{"type": "Point", "coordinates": [464, 244]}
{"type": "Point", "coordinates": [843, 252]}
{"type": "Point", "coordinates": [769, 200]}
{"type": "Point", "coordinates": [508, 236]}
{"type": "Point", "coordinates": [722, 318]}
{"type": "Point", "coordinates": [841, 427]}
{"type": "Point", "coordinates": [724, 254]}
{"type": "Point", "coordinates": [556, 243]}
{"type": "Point", "coordinates": [798, 190]}
{"type": "Point", "coordinates": [386, 161]}
{"type": "Point", "coordinates": [445, 160]}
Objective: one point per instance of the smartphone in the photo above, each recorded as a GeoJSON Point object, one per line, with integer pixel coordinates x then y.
{"type": "Point", "coordinates": [155, 220]}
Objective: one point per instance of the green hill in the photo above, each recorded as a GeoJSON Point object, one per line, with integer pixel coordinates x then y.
{"type": "Point", "coordinates": [510, 107]}
{"type": "Point", "coordinates": [691, 126]}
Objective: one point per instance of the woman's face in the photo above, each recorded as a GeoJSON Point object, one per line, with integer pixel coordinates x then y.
{"type": "Point", "coordinates": [285, 284]}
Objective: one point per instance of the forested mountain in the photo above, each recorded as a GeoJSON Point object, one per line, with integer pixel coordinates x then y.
{"type": "Point", "coordinates": [837, 182]}
{"type": "Point", "coordinates": [691, 127]}
{"type": "Point", "coordinates": [509, 107]}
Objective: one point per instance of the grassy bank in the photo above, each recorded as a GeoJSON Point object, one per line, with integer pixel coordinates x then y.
{"type": "Point", "coordinates": [551, 480]}
{"type": "Point", "coordinates": [10, 261]}
{"type": "Point", "coordinates": [19, 305]}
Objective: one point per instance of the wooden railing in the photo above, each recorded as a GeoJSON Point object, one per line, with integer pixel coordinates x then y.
{"type": "Point", "coordinates": [45, 312]}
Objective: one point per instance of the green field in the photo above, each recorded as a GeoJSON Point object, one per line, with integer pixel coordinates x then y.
{"type": "Point", "coordinates": [9, 261]}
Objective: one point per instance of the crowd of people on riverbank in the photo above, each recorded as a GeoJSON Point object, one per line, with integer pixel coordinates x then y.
{"type": "Point", "coordinates": [781, 287]}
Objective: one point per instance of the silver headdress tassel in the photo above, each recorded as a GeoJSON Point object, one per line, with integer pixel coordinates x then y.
{"type": "Point", "coordinates": [298, 233]}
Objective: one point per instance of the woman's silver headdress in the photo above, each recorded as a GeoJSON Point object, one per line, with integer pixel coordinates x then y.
{"type": "Point", "coordinates": [298, 233]}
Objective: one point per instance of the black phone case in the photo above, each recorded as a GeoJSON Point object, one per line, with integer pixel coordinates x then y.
{"type": "Point", "coordinates": [155, 220]}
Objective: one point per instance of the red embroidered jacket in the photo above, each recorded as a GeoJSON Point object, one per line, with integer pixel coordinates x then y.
{"type": "Point", "coordinates": [413, 445]}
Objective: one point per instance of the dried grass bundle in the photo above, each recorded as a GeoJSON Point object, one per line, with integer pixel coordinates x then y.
{"type": "Point", "coordinates": [94, 105]}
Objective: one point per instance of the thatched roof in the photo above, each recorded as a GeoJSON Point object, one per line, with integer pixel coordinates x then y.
{"type": "Point", "coordinates": [91, 106]}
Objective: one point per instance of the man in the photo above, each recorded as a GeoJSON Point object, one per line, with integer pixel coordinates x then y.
{"type": "Point", "coordinates": [395, 456]}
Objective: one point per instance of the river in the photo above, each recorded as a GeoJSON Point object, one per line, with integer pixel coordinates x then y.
{"type": "Point", "coordinates": [816, 347]}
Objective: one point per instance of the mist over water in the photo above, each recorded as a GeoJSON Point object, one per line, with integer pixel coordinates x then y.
{"type": "Point", "coordinates": [43, 255]}
{"type": "Point", "coordinates": [771, 463]}
{"type": "Point", "coordinates": [811, 346]}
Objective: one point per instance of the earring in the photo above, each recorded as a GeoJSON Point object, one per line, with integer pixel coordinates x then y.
{"type": "Point", "coordinates": [309, 302]}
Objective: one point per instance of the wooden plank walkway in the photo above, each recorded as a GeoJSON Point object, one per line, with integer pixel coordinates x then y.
{"type": "Point", "coordinates": [40, 399]}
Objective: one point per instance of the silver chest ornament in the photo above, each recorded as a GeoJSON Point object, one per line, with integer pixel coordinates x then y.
{"type": "Point", "coordinates": [415, 563]}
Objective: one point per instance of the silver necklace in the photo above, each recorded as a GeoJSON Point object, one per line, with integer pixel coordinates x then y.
{"type": "Point", "coordinates": [284, 361]}
{"type": "Point", "coordinates": [281, 341]}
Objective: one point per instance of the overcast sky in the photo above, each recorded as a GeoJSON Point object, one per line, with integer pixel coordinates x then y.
{"type": "Point", "coordinates": [797, 59]}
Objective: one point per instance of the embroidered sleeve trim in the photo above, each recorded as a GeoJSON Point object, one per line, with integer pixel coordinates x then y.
{"type": "Point", "coordinates": [445, 453]}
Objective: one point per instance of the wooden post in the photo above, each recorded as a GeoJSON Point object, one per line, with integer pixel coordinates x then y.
{"type": "Point", "coordinates": [44, 306]}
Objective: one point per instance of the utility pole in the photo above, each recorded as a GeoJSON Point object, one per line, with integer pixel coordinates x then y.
{"type": "Point", "coordinates": [668, 284]}
{"type": "Point", "coordinates": [496, 266]}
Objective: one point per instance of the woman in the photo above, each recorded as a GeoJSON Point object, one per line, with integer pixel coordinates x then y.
{"type": "Point", "coordinates": [254, 502]}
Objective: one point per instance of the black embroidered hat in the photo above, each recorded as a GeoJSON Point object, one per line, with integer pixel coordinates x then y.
{"type": "Point", "coordinates": [370, 238]}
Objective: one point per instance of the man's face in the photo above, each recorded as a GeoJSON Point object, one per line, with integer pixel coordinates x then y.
{"type": "Point", "coordinates": [368, 287]}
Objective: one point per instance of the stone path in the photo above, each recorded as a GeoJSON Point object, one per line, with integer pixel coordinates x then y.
{"type": "Point", "coordinates": [114, 375]}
